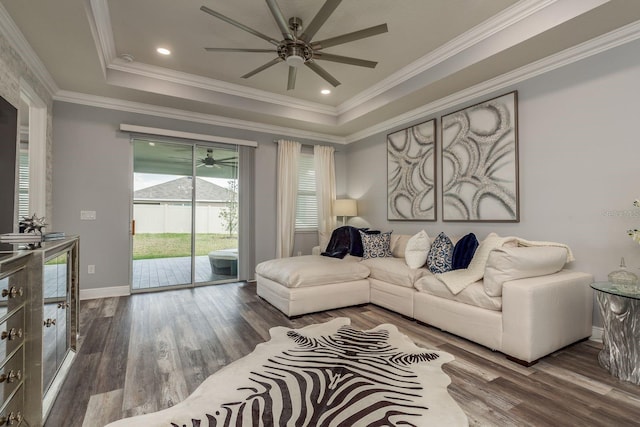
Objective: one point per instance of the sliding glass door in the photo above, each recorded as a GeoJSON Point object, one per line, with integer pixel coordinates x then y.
{"type": "Point", "coordinates": [185, 214]}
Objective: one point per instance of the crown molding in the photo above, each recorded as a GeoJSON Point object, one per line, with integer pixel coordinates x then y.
{"type": "Point", "coordinates": [613, 39]}
{"type": "Point", "coordinates": [510, 16]}
{"type": "Point", "coordinates": [102, 48]}
{"type": "Point", "coordinates": [173, 113]}
{"type": "Point", "coordinates": [102, 31]}
{"type": "Point", "coordinates": [473, 46]}
{"type": "Point", "coordinates": [12, 33]}
{"type": "Point", "coordinates": [191, 80]}
{"type": "Point", "coordinates": [520, 21]}
{"type": "Point", "coordinates": [600, 44]}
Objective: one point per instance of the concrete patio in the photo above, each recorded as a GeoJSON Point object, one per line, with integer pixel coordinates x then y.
{"type": "Point", "coordinates": [161, 272]}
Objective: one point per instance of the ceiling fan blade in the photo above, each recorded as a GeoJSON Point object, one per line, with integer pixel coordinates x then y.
{"type": "Point", "coordinates": [344, 59]}
{"type": "Point", "coordinates": [280, 19]}
{"type": "Point", "coordinates": [232, 49]}
{"type": "Point", "coordinates": [322, 73]}
{"type": "Point", "coordinates": [350, 37]}
{"type": "Point", "coordinates": [262, 68]}
{"type": "Point", "coordinates": [235, 159]}
{"type": "Point", "coordinates": [291, 81]}
{"type": "Point", "coordinates": [323, 14]}
{"type": "Point", "coordinates": [239, 25]}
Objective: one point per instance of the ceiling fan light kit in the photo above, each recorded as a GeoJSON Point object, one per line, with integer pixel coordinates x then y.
{"type": "Point", "coordinates": [300, 50]}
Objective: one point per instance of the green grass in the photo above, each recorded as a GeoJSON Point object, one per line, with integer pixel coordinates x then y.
{"type": "Point", "coordinates": [168, 245]}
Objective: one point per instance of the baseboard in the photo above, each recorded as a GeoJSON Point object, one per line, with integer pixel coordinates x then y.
{"type": "Point", "coordinates": [113, 291]}
{"type": "Point", "coordinates": [596, 333]}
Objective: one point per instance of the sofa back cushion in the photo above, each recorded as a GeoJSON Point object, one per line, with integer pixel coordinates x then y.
{"type": "Point", "coordinates": [399, 244]}
{"type": "Point", "coordinates": [511, 263]}
{"type": "Point", "coordinates": [417, 248]}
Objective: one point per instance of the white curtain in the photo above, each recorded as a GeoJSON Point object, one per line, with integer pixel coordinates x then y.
{"type": "Point", "coordinates": [288, 157]}
{"type": "Point", "coordinates": [325, 190]}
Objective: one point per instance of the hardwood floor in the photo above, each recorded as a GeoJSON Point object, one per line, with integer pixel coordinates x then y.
{"type": "Point", "coordinates": [146, 352]}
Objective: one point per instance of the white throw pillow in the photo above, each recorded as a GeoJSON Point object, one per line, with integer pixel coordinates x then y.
{"type": "Point", "coordinates": [415, 253]}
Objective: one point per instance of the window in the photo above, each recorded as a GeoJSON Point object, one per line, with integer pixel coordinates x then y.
{"type": "Point", "coordinates": [306, 205]}
{"type": "Point", "coordinates": [23, 184]}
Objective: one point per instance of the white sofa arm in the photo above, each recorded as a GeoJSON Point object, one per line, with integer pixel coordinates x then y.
{"type": "Point", "coordinates": [543, 314]}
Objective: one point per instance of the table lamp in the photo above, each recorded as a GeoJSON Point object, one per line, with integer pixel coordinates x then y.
{"type": "Point", "coordinates": [345, 208]}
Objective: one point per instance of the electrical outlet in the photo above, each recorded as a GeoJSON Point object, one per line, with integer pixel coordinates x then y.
{"type": "Point", "coordinates": [87, 215]}
{"type": "Point", "coordinates": [91, 269]}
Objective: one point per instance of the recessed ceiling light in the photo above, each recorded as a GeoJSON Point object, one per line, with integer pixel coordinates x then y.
{"type": "Point", "coordinates": [325, 91]}
{"type": "Point", "coordinates": [163, 51]}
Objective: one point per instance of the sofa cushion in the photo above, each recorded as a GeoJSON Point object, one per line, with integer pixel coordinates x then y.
{"type": "Point", "coordinates": [399, 244]}
{"type": "Point", "coordinates": [312, 270]}
{"type": "Point", "coordinates": [417, 249]}
{"type": "Point", "coordinates": [376, 245]}
{"type": "Point", "coordinates": [463, 251]}
{"type": "Point", "coordinates": [511, 263]}
{"type": "Point", "coordinates": [440, 254]}
{"type": "Point", "coordinates": [473, 294]}
{"type": "Point", "coordinates": [394, 270]}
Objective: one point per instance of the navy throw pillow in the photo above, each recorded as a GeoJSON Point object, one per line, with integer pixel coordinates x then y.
{"type": "Point", "coordinates": [463, 251]}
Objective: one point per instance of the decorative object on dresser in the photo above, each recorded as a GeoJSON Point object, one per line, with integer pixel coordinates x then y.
{"type": "Point", "coordinates": [411, 165]}
{"type": "Point", "coordinates": [32, 224]}
{"type": "Point", "coordinates": [39, 324]}
{"type": "Point", "coordinates": [480, 162]}
{"type": "Point", "coordinates": [328, 374]}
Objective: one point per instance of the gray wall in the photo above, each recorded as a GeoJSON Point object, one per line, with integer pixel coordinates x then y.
{"type": "Point", "coordinates": [579, 172]}
{"type": "Point", "coordinates": [93, 171]}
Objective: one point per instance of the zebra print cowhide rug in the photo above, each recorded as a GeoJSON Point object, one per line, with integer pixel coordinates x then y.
{"type": "Point", "coordinates": [328, 374]}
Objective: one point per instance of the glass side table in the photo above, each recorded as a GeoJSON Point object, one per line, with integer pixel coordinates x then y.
{"type": "Point", "coordinates": [620, 309]}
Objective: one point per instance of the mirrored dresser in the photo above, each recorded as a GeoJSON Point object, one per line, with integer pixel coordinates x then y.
{"type": "Point", "coordinates": [38, 327]}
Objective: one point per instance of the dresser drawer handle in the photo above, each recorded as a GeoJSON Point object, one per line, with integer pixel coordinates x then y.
{"type": "Point", "coordinates": [63, 305]}
{"type": "Point", "coordinates": [11, 377]}
{"type": "Point", "coordinates": [11, 335]}
{"type": "Point", "coordinates": [49, 322]}
{"type": "Point", "coordinates": [12, 292]}
{"type": "Point", "coordinates": [11, 419]}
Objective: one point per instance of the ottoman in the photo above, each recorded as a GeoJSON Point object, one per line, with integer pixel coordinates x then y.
{"type": "Point", "coordinates": [224, 262]}
{"type": "Point", "coordinates": [310, 283]}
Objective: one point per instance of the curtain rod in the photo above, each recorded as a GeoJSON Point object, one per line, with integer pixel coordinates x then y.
{"type": "Point", "coordinates": [185, 135]}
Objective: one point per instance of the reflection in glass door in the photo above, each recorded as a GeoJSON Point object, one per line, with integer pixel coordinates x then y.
{"type": "Point", "coordinates": [216, 231]}
{"type": "Point", "coordinates": [185, 214]}
{"type": "Point", "coordinates": [55, 339]}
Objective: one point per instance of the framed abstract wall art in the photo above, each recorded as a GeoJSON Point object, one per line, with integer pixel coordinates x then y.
{"type": "Point", "coordinates": [411, 166]}
{"type": "Point", "coordinates": [480, 162]}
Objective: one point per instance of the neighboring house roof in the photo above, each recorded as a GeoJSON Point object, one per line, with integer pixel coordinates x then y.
{"type": "Point", "coordinates": [180, 190]}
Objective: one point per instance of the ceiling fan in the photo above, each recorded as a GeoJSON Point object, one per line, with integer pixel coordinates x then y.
{"type": "Point", "coordinates": [210, 162]}
{"type": "Point", "coordinates": [298, 49]}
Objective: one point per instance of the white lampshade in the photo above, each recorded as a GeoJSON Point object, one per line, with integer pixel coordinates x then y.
{"type": "Point", "coordinates": [345, 207]}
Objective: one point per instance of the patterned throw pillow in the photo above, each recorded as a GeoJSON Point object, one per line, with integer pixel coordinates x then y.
{"type": "Point", "coordinates": [440, 255]}
{"type": "Point", "coordinates": [376, 245]}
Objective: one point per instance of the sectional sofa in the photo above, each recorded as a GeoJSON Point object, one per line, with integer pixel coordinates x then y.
{"type": "Point", "coordinates": [526, 303]}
